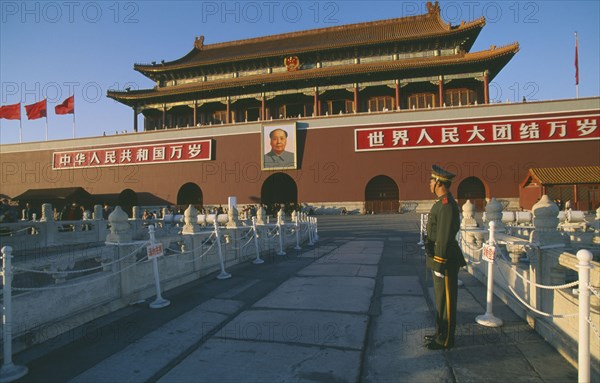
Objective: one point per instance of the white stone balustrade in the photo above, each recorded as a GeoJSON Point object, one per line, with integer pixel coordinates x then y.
{"type": "Point", "coordinates": [125, 279]}
{"type": "Point", "coordinates": [551, 262]}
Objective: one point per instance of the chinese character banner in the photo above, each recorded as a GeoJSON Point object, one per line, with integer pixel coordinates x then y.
{"type": "Point", "coordinates": [514, 131]}
{"type": "Point", "coordinates": [150, 153]}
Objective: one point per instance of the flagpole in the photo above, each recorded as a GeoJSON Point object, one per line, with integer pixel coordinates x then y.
{"type": "Point", "coordinates": [576, 66]}
{"type": "Point", "coordinates": [46, 126]}
{"type": "Point", "coordinates": [73, 118]}
{"type": "Point", "coordinates": [20, 126]}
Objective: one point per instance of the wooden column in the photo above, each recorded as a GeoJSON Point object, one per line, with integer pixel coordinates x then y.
{"type": "Point", "coordinates": [441, 91]}
{"type": "Point", "coordinates": [397, 95]}
{"type": "Point", "coordinates": [356, 108]}
{"type": "Point", "coordinates": [164, 117]}
{"type": "Point", "coordinates": [486, 88]}
{"type": "Point", "coordinates": [135, 121]}
{"type": "Point", "coordinates": [316, 106]}
{"type": "Point", "coordinates": [195, 113]}
{"type": "Point", "coordinates": [263, 111]}
{"type": "Point", "coordinates": [228, 112]}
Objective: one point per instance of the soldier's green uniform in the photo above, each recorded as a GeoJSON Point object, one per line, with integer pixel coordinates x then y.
{"type": "Point", "coordinates": [444, 256]}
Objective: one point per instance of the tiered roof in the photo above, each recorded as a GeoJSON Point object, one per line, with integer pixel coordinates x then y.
{"type": "Point", "coordinates": [422, 30]}
{"type": "Point", "coordinates": [496, 58]}
{"type": "Point", "coordinates": [399, 30]}
{"type": "Point", "coordinates": [567, 175]}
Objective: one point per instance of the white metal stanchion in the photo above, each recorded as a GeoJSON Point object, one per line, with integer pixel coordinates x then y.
{"type": "Point", "coordinates": [421, 243]}
{"type": "Point", "coordinates": [9, 371]}
{"type": "Point", "coordinates": [223, 274]}
{"type": "Point", "coordinates": [311, 241]}
{"type": "Point", "coordinates": [258, 260]}
{"type": "Point", "coordinates": [583, 360]}
{"type": "Point", "coordinates": [280, 232]}
{"type": "Point", "coordinates": [488, 319]}
{"type": "Point", "coordinates": [297, 235]}
{"type": "Point", "coordinates": [159, 302]}
{"type": "Point", "coordinates": [316, 230]}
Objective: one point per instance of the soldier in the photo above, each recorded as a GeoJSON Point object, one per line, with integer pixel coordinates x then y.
{"type": "Point", "coordinates": [444, 258]}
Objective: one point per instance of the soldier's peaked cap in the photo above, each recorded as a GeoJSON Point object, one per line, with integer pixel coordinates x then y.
{"type": "Point", "coordinates": [440, 174]}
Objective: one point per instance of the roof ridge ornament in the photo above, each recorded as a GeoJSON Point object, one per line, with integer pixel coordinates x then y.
{"type": "Point", "coordinates": [433, 7]}
{"type": "Point", "coordinates": [199, 42]}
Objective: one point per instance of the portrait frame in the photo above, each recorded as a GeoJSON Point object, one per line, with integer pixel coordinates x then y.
{"type": "Point", "coordinates": [287, 160]}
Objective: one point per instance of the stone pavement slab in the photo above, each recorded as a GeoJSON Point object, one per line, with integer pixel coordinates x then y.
{"type": "Point", "coordinates": [370, 257]}
{"type": "Point", "coordinates": [141, 360]}
{"type": "Point", "coordinates": [339, 270]}
{"type": "Point", "coordinates": [485, 364]}
{"type": "Point", "coordinates": [319, 328]}
{"type": "Point", "coordinates": [234, 361]}
{"type": "Point", "coordinates": [395, 352]}
{"type": "Point", "coordinates": [406, 285]}
{"type": "Point", "coordinates": [322, 293]}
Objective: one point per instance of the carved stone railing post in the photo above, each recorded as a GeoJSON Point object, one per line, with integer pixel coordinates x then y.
{"type": "Point", "coordinates": [190, 217]}
{"type": "Point", "coordinates": [120, 229]}
{"type": "Point", "coordinates": [47, 213]}
{"type": "Point", "coordinates": [468, 221]}
{"type": "Point", "coordinates": [545, 222]}
{"type": "Point", "coordinates": [493, 212]}
{"type": "Point", "coordinates": [136, 212]}
{"type": "Point", "coordinates": [281, 216]}
{"type": "Point", "coordinates": [98, 212]}
{"type": "Point", "coordinates": [233, 218]}
{"type": "Point", "coordinates": [50, 224]}
{"type": "Point", "coordinates": [261, 216]}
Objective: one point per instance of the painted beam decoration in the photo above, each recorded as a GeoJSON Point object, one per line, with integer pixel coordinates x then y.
{"type": "Point", "coordinates": [140, 154]}
{"type": "Point", "coordinates": [525, 130]}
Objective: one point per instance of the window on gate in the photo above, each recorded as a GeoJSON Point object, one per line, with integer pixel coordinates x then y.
{"type": "Point", "coordinates": [460, 96]}
{"type": "Point", "coordinates": [381, 103]}
{"type": "Point", "coordinates": [422, 100]}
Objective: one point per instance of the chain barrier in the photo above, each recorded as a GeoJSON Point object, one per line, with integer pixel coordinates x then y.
{"type": "Point", "coordinates": [527, 305]}
{"type": "Point", "coordinates": [245, 244]}
{"type": "Point", "coordinates": [67, 285]}
{"type": "Point", "coordinates": [22, 269]}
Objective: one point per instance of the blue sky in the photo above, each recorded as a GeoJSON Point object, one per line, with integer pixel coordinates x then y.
{"type": "Point", "coordinates": [52, 49]}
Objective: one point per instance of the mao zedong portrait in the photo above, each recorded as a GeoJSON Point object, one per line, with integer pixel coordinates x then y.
{"type": "Point", "coordinates": [278, 157]}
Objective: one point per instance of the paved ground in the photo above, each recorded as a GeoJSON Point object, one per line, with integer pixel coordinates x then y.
{"type": "Point", "coordinates": [353, 308]}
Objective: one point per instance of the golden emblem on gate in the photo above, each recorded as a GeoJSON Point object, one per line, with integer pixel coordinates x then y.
{"type": "Point", "coordinates": [292, 63]}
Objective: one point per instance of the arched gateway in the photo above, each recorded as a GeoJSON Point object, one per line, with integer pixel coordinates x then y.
{"type": "Point", "coordinates": [471, 188]}
{"type": "Point", "coordinates": [189, 194]}
{"type": "Point", "coordinates": [127, 200]}
{"type": "Point", "coordinates": [279, 188]}
{"type": "Point", "coordinates": [382, 195]}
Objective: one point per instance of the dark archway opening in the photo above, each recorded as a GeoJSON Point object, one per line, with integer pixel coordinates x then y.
{"type": "Point", "coordinates": [190, 194]}
{"type": "Point", "coordinates": [279, 190]}
{"type": "Point", "coordinates": [382, 195]}
{"type": "Point", "coordinates": [471, 188]}
{"type": "Point", "coordinates": [127, 200]}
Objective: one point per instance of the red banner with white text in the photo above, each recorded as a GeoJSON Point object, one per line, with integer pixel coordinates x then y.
{"type": "Point", "coordinates": [477, 133]}
{"type": "Point", "coordinates": [142, 154]}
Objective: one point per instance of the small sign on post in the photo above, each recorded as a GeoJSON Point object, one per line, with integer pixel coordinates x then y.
{"type": "Point", "coordinates": [155, 250]}
{"type": "Point", "coordinates": [489, 253]}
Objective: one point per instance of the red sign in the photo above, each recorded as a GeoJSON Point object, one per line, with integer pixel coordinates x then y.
{"type": "Point", "coordinates": [147, 153]}
{"type": "Point", "coordinates": [154, 251]}
{"type": "Point", "coordinates": [488, 253]}
{"type": "Point", "coordinates": [514, 131]}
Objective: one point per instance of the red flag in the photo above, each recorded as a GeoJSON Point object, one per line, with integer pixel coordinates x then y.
{"type": "Point", "coordinates": [67, 106]}
{"type": "Point", "coordinates": [37, 110]}
{"type": "Point", "coordinates": [576, 60]}
{"type": "Point", "coordinates": [11, 112]}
